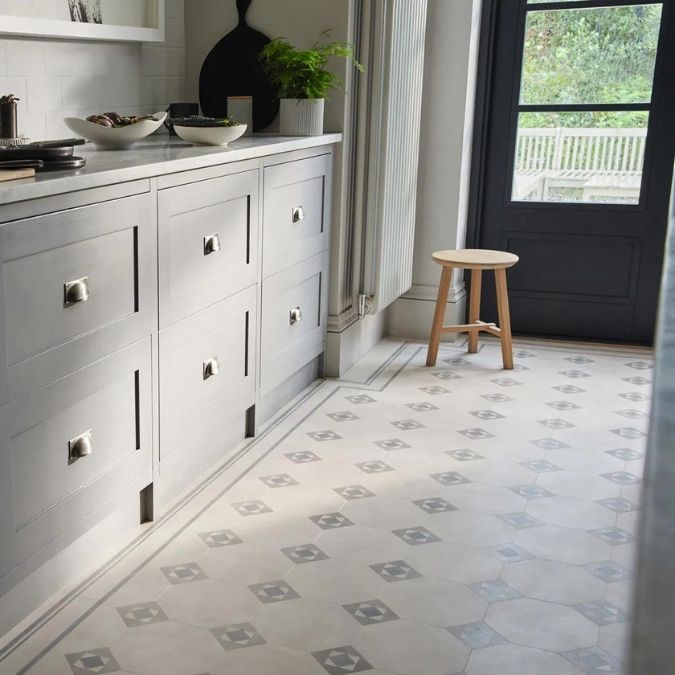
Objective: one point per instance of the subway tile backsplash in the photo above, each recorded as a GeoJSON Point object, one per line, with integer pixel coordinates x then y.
{"type": "Point", "coordinates": [61, 78]}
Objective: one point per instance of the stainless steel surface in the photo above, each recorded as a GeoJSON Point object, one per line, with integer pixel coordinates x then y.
{"type": "Point", "coordinates": [76, 291]}
{"type": "Point", "coordinates": [80, 446]}
{"type": "Point", "coordinates": [298, 214]}
{"type": "Point", "coordinates": [295, 315]}
{"type": "Point", "coordinates": [211, 244]}
{"type": "Point", "coordinates": [210, 368]}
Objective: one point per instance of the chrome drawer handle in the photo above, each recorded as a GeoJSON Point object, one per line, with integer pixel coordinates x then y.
{"type": "Point", "coordinates": [211, 244]}
{"type": "Point", "coordinates": [295, 315]}
{"type": "Point", "coordinates": [210, 368]}
{"type": "Point", "coordinates": [298, 214]}
{"type": "Point", "coordinates": [76, 291]}
{"type": "Point", "coordinates": [80, 446]}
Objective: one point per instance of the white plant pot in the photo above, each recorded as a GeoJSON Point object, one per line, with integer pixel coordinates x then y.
{"type": "Point", "coordinates": [301, 117]}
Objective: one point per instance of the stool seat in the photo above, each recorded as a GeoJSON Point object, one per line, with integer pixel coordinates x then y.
{"type": "Point", "coordinates": [475, 259]}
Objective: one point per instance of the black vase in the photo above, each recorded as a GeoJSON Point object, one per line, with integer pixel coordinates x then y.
{"type": "Point", "coordinates": [8, 120]}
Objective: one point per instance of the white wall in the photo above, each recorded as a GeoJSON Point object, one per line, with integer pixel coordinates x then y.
{"type": "Point", "coordinates": [61, 78]}
{"type": "Point", "coordinates": [445, 155]}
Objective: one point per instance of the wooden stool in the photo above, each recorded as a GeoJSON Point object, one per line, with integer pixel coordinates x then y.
{"type": "Point", "coordinates": [475, 260]}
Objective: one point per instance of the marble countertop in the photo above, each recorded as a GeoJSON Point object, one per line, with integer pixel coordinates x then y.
{"type": "Point", "coordinates": [154, 156]}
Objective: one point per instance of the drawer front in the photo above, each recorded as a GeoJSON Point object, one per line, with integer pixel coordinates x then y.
{"type": "Point", "coordinates": [208, 243]}
{"type": "Point", "coordinates": [294, 312]}
{"type": "Point", "coordinates": [76, 285]}
{"type": "Point", "coordinates": [71, 447]}
{"type": "Point", "coordinates": [207, 358]}
{"type": "Point", "coordinates": [296, 212]}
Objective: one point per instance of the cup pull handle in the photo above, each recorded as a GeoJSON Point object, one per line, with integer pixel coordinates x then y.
{"type": "Point", "coordinates": [76, 291]}
{"type": "Point", "coordinates": [298, 214]}
{"type": "Point", "coordinates": [210, 368]}
{"type": "Point", "coordinates": [211, 244]}
{"type": "Point", "coordinates": [295, 316]}
{"type": "Point", "coordinates": [80, 446]}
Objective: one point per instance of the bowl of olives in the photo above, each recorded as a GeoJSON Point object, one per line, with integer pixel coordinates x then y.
{"type": "Point", "coordinates": [208, 130]}
{"type": "Point", "coordinates": [112, 131]}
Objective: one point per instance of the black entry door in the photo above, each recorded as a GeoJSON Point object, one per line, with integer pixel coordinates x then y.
{"type": "Point", "coordinates": [577, 160]}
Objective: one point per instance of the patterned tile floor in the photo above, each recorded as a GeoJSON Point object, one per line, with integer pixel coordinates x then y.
{"type": "Point", "coordinates": [402, 520]}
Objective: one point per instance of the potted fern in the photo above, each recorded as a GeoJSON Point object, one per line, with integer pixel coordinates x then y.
{"type": "Point", "coordinates": [303, 81]}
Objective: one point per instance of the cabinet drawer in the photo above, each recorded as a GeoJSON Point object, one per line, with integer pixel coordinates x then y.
{"type": "Point", "coordinates": [76, 285]}
{"type": "Point", "coordinates": [102, 413]}
{"type": "Point", "coordinates": [293, 320]}
{"type": "Point", "coordinates": [296, 212]}
{"type": "Point", "coordinates": [205, 358]}
{"type": "Point", "coordinates": [208, 242]}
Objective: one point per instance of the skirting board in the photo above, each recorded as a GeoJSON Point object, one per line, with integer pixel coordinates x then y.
{"type": "Point", "coordinates": [345, 348]}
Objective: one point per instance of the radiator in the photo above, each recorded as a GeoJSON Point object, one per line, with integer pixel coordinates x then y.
{"type": "Point", "coordinates": [394, 102]}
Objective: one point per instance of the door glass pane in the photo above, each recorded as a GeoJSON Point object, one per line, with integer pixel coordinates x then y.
{"type": "Point", "coordinates": [580, 157]}
{"type": "Point", "coordinates": [602, 55]}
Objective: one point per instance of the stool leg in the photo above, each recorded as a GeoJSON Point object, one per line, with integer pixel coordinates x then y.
{"type": "Point", "coordinates": [474, 308]}
{"type": "Point", "coordinates": [439, 315]}
{"type": "Point", "coordinates": [504, 319]}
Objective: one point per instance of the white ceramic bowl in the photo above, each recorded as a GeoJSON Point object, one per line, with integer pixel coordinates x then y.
{"type": "Point", "coordinates": [210, 135]}
{"type": "Point", "coordinates": [114, 138]}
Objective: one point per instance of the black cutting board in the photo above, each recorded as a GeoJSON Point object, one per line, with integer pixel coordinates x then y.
{"type": "Point", "coordinates": [29, 152]}
{"type": "Point", "coordinates": [232, 68]}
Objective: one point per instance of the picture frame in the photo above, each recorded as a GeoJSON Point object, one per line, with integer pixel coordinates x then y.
{"type": "Point", "coordinates": [86, 26]}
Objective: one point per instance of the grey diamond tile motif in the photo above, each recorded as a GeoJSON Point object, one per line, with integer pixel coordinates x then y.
{"type": "Point", "coordinates": [448, 478]}
{"type": "Point", "coordinates": [376, 466]}
{"type": "Point", "coordinates": [593, 661]}
{"type": "Point", "coordinates": [531, 491]}
{"type": "Point", "coordinates": [640, 365]}
{"type": "Point", "coordinates": [370, 611]}
{"type": "Point", "coordinates": [416, 536]}
{"type": "Point", "coordinates": [447, 375]}
{"type": "Point", "coordinates": [601, 612]}
{"type": "Point", "coordinates": [621, 477]}
{"type": "Point", "coordinates": [520, 520]}
{"type": "Point", "coordinates": [322, 436]}
{"type": "Point", "coordinates": [637, 380]}
{"type": "Point", "coordinates": [237, 636]}
{"type": "Point", "coordinates": [98, 661]}
{"type": "Point", "coordinates": [549, 444]}
{"type": "Point", "coordinates": [579, 359]}
{"type": "Point", "coordinates": [422, 406]}
{"type": "Point", "coordinates": [613, 535]}
{"type": "Point", "coordinates": [407, 425]}
{"type": "Point", "coordinates": [253, 508]}
{"type": "Point", "coordinates": [608, 571]}
{"type": "Point", "coordinates": [626, 454]}
{"type": "Point", "coordinates": [519, 367]}
{"type": "Point", "coordinates": [392, 444]}
{"type": "Point", "coordinates": [352, 492]}
{"type": "Point", "coordinates": [331, 521]}
{"type": "Point", "coordinates": [506, 382]}
{"type": "Point", "coordinates": [487, 415]}
{"type": "Point", "coordinates": [569, 389]}
{"type": "Point", "coordinates": [434, 505]}
{"type": "Point", "coordinates": [574, 374]}
{"type": "Point", "coordinates": [184, 574]}
{"type": "Point", "coordinates": [457, 361]}
{"type": "Point", "coordinates": [477, 635]}
{"type": "Point", "coordinates": [475, 434]}
{"type": "Point", "coordinates": [142, 614]}
{"type": "Point", "coordinates": [341, 660]}
{"type": "Point", "coordinates": [464, 455]}
{"type": "Point", "coordinates": [634, 396]}
{"type": "Point", "coordinates": [509, 553]}
{"type": "Point", "coordinates": [344, 416]}
{"type": "Point", "coordinates": [497, 398]}
{"type": "Point", "coordinates": [395, 570]}
{"type": "Point", "coordinates": [494, 591]}
{"type": "Point", "coordinates": [556, 423]}
{"type": "Point", "coordinates": [631, 414]}
{"type": "Point", "coordinates": [303, 457]}
{"type": "Point", "coordinates": [360, 399]}
{"type": "Point", "coordinates": [305, 553]}
{"type": "Point", "coordinates": [563, 405]}
{"type": "Point", "coordinates": [218, 538]}
{"type": "Point", "coordinates": [279, 481]}
{"type": "Point", "coordinates": [540, 466]}
{"type": "Point", "coordinates": [273, 591]}
{"type": "Point", "coordinates": [618, 504]}
{"type": "Point", "coordinates": [629, 432]}
{"type": "Point", "coordinates": [435, 390]}
{"type": "Point", "coordinates": [523, 354]}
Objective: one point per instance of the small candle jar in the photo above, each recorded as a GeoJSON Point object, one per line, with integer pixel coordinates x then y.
{"type": "Point", "coordinates": [8, 117]}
